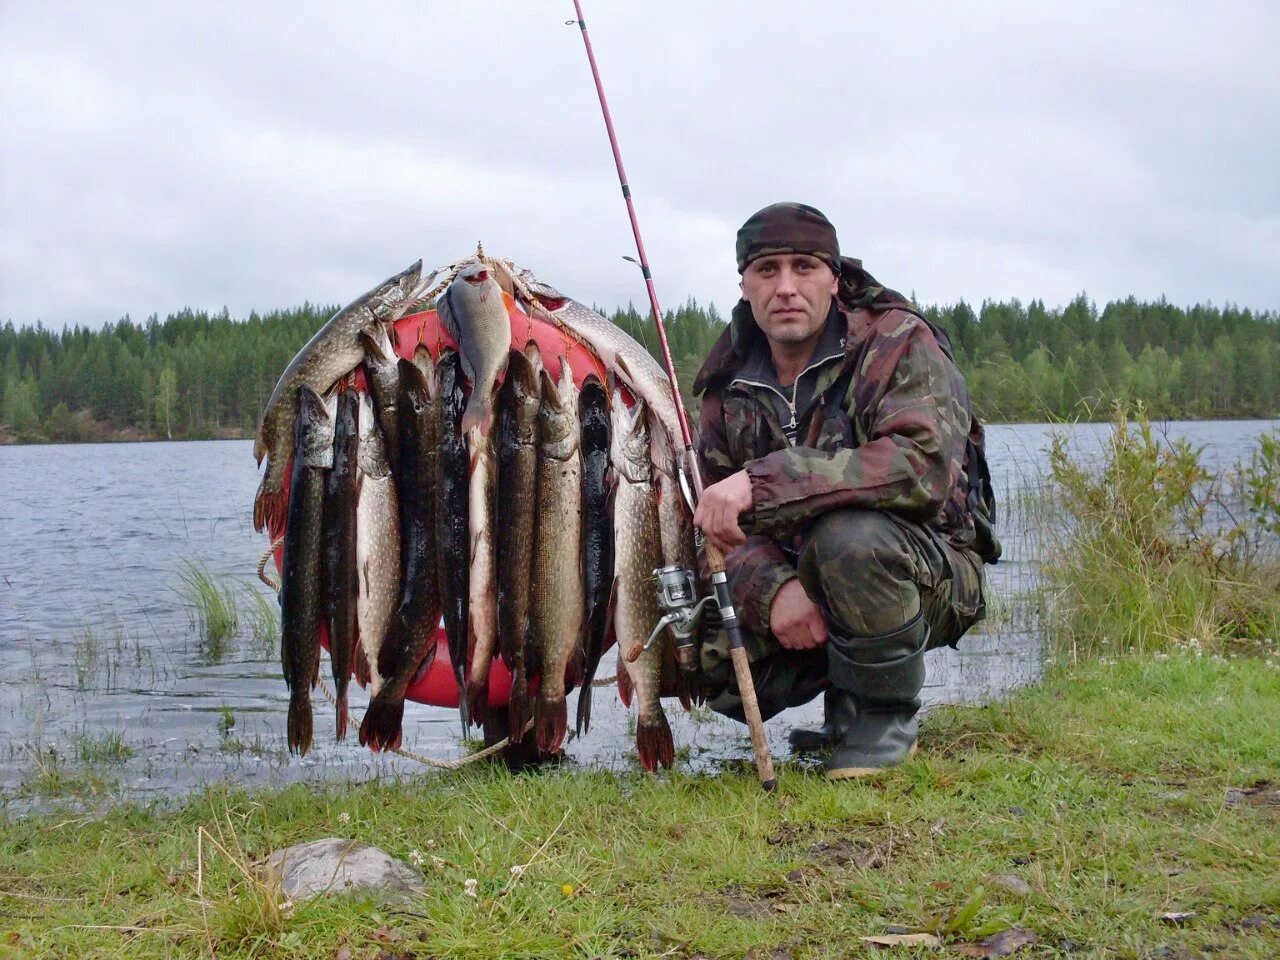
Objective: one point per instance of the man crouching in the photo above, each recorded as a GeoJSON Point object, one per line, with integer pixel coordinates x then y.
{"type": "Point", "coordinates": [846, 485]}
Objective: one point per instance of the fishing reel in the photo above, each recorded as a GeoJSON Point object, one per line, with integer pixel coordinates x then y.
{"type": "Point", "coordinates": [677, 594]}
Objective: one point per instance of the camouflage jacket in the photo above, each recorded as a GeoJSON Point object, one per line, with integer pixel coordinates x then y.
{"type": "Point", "coordinates": [887, 427]}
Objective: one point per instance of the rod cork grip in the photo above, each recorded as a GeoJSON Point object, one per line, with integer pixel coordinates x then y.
{"type": "Point", "coordinates": [715, 559]}
{"type": "Point", "coordinates": [751, 713]}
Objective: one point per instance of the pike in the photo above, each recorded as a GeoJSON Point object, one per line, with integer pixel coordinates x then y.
{"type": "Point", "coordinates": [482, 582]}
{"type": "Point", "coordinates": [597, 535]}
{"type": "Point", "coordinates": [377, 547]}
{"type": "Point", "coordinates": [453, 544]}
{"type": "Point", "coordinates": [715, 560]}
{"type": "Point", "coordinates": [341, 493]}
{"type": "Point", "coordinates": [635, 606]}
{"type": "Point", "coordinates": [333, 352]}
{"type": "Point", "coordinates": [557, 566]}
{"type": "Point", "coordinates": [300, 573]}
{"type": "Point", "coordinates": [518, 404]}
{"type": "Point", "coordinates": [410, 644]}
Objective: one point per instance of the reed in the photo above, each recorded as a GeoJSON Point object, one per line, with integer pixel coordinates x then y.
{"type": "Point", "coordinates": [1152, 552]}
{"type": "Point", "coordinates": [212, 607]}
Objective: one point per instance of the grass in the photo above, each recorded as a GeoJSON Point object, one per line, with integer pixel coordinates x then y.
{"type": "Point", "coordinates": [1080, 810]}
{"type": "Point", "coordinates": [1152, 552]}
{"type": "Point", "coordinates": [212, 606]}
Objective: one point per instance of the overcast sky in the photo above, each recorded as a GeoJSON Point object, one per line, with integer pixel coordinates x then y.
{"type": "Point", "coordinates": [255, 155]}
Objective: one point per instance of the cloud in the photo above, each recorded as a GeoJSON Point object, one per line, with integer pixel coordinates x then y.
{"type": "Point", "coordinates": [155, 156]}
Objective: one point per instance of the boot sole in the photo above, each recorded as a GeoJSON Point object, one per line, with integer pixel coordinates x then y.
{"type": "Point", "coordinates": [851, 773]}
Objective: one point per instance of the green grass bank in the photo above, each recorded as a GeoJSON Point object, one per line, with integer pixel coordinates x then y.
{"type": "Point", "coordinates": [1118, 809]}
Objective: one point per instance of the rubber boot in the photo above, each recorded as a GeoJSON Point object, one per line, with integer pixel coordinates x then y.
{"type": "Point", "coordinates": [838, 711]}
{"type": "Point", "coordinates": [882, 676]}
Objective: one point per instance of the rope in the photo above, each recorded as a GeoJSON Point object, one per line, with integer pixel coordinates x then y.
{"type": "Point", "coordinates": [262, 566]}
{"type": "Point", "coordinates": [457, 764]}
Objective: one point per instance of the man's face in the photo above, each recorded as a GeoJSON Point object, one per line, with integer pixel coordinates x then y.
{"type": "Point", "coordinates": [790, 295]}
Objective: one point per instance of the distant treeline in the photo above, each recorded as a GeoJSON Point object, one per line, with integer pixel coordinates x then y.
{"type": "Point", "coordinates": [198, 375]}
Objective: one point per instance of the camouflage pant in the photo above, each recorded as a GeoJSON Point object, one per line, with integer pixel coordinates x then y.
{"type": "Point", "coordinates": [870, 572]}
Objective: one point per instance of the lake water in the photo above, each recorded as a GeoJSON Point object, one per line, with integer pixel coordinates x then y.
{"type": "Point", "coordinates": [100, 657]}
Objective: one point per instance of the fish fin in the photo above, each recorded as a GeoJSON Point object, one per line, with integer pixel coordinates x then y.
{"type": "Point", "coordinates": [383, 725]}
{"type": "Point", "coordinates": [552, 722]}
{"type": "Point", "coordinates": [425, 664]}
{"type": "Point", "coordinates": [654, 743]}
{"type": "Point", "coordinates": [625, 689]}
{"type": "Point", "coordinates": [673, 678]}
{"type": "Point", "coordinates": [360, 663]}
{"type": "Point", "coordinates": [519, 709]}
{"type": "Point", "coordinates": [477, 698]}
{"type": "Point", "coordinates": [340, 705]}
{"type": "Point", "coordinates": [299, 731]}
{"type": "Point", "coordinates": [573, 670]}
{"type": "Point", "coordinates": [584, 709]}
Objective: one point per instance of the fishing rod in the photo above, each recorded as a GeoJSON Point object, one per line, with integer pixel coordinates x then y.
{"type": "Point", "coordinates": [676, 592]}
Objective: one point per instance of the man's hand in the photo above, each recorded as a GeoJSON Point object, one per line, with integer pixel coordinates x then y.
{"type": "Point", "coordinates": [719, 508]}
{"type": "Point", "coordinates": [795, 619]}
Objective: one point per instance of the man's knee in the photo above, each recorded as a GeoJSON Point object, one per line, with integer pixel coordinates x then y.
{"type": "Point", "coordinates": [863, 568]}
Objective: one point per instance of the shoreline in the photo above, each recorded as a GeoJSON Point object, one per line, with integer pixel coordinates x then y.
{"type": "Point", "coordinates": [1084, 811]}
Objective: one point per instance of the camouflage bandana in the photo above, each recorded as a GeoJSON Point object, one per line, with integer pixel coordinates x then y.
{"type": "Point", "coordinates": [788, 228]}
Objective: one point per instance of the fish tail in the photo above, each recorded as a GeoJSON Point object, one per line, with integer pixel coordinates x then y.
{"type": "Point", "coordinates": [341, 706]}
{"type": "Point", "coordinates": [478, 696]}
{"type": "Point", "coordinates": [479, 414]}
{"type": "Point", "coordinates": [459, 676]}
{"type": "Point", "coordinates": [518, 707]}
{"type": "Point", "coordinates": [584, 709]}
{"type": "Point", "coordinates": [299, 723]}
{"type": "Point", "coordinates": [624, 682]}
{"type": "Point", "coordinates": [383, 724]}
{"type": "Point", "coordinates": [552, 722]}
{"type": "Point", "coordinates": [654, 743]}
{"type": "Point", "coordinates": [361, 664]}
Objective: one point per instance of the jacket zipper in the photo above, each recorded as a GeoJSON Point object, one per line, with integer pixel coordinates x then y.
{"type": "Point", "coordinates": [791, 403]}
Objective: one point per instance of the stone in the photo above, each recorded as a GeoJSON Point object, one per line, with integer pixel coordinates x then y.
{"type": "Point", "coordinates": [336, 865]}
{"type": "Point", "coordinates": [1012, 883]}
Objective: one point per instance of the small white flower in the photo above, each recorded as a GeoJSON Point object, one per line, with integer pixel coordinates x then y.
{"type": "Point", "coordinates": [286, 907]}
{"type": "Point", "coordinates": [344, 817]}
{"type": "Point", "coordinates": [431, 844]}
{"type": "Point", "coordinates": [517, 870]}
{"type": "Point", "coordinates": [469, 887]}
{"type": "Point", "coordinates": [416, 858]}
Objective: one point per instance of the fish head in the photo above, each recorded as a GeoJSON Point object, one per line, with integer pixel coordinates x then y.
{"type": "Point", "coordinates": [629, 441]}
{"type": "Point", "coordinates": [372, 453]}
{"type": "Point", "coordinates": [557, 419]}
{"type": "Point", "coordinates": [313, 431]}
{"type": "Point", "coordinates": [378, 350]}
{"type": "Point", "coordinates": [476, 285]}
{"type": "Point", "coordinates": [395, 292]}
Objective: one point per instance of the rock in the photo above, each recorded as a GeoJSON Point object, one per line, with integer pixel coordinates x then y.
{"type": "Point", "coordinates": [336, 865]}
{"type": "Point", "coordinates": [1012, 883]}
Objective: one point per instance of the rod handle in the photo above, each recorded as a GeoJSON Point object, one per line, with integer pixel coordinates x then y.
{"type": "Point", "coordinates": [751, 713]}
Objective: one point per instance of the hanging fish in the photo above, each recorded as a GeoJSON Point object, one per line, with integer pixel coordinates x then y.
{"type": "Point", "coordinates": [410, 643]}
{"type": "Point", "coordinates": [301, 605]}
{"type": "Point", "coordinates": [517, 447]}
{"type": "Point", "coordinates": [597, 535]}
{"type": "Point", "coordinates": [558, 599]}
{"type": "Point", "coordinates": [382, 373]}
{"type": "Point", "coordinates": [341, 493]}
{"type": "Point", "coordinates": [637, 552]}
{"type": "Point", "coordinates": [377, 547]}
{"type": "Point", "coordinates": [452, 514]}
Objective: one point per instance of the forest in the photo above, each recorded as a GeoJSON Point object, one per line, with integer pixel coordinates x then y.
{"type": "Point", "coordinates": [195, 375]}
